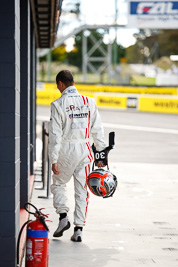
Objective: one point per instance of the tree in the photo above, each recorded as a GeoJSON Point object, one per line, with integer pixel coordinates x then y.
{"type": "Point", "coordinates": [151, 46]}
{"type": "Point", "coordinates": [121, 51]}
{"type": "Point", "coordinates": [167, 42]}
{"type": "Point", "coordinates": [59, 54]}
{"type": "Point", "coordinates": [133, 54]}
{"type": "Point", "coordinates": [75, 56]}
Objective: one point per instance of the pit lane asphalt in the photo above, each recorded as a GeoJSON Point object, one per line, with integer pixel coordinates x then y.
{"type": "Point", "coordinates": [139, 225]}
{"type": "Point", "coordinates": [143, 145]}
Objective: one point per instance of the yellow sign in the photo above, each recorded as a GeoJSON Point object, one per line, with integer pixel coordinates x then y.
{"type": "Point", "coordinates": [161, 105]}
{"type": "Point", "coordinates": [118, 89]}
{"type": "Point", "coordinates": [87, 93]}
{"type": "Point", "coordinates": [111, 101]}
{"type": "Point", "coordinates": [48, 92]}
{"type": "Point", "coordinates": [46, 97]}
{"type": "Point", "coordinates": [50, 86]}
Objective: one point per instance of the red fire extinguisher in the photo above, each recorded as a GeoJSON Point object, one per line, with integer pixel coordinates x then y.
{"type": "Point", "coordinates": [37, 242]}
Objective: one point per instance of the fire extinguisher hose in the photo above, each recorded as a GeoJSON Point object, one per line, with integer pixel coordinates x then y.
{"type": "Point", "coordinates": [18, 241]}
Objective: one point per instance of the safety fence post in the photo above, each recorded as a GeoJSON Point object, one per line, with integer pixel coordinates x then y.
{"type": "Point", "coordinates": [45, 134]}
{"type": "Point", "coordinates": [46, 168]}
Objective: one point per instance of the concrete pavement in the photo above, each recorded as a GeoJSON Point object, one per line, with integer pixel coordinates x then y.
{"type": "Point", "coordinates": [138, 226]}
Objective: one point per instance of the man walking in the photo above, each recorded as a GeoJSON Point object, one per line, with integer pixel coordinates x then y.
{"type": "Point", "coordinates": [74, 122]}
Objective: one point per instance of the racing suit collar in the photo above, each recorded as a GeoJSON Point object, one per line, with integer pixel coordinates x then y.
{"type": "Point", "coordinates": [70, 90]}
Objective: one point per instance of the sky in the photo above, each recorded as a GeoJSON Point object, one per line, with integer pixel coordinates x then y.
{"type": "Point", "coordinates": [97, 12]}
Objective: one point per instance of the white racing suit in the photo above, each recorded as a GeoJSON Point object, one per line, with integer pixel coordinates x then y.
{"type": "Point", "coordinates": [74, 122]}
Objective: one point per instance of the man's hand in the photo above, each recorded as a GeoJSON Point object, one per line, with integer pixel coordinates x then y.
{"type": "Point", "coordinates": [100, 164]}
{"type": "Point", "coordinates": [55, 168]}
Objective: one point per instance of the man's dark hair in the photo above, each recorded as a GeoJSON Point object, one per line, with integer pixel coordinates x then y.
{"type": "Point", "coordinates": [65, 77]}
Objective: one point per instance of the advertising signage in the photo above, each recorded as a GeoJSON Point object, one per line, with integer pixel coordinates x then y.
{"type": "Point", "coordinates": [153, 14]}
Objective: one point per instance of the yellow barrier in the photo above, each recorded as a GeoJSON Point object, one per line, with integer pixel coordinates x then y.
{"type": "Point", "coordinates": [111, 101]}
{"type": "Point", "coordinates": [119, 89]}
{"type": "Point", "coordinates": [48, 92]}
{"type": "Point", "coordinates": [87, 93]}
{"type": "Point", "coordinates": [45, 98]}
{"type": "Point", "coordinates": [160, 105]}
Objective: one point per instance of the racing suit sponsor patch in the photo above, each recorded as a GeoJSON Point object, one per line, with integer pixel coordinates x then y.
{"type": "Point", "coordinates": [78, 116]}
{"type": "Point", "coordinates": [75, 108]}
{"type": "Point", "coordinates": [72, 90]}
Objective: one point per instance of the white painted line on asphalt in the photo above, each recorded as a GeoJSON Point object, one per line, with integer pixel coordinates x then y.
{"type": "Point", "coordinates": [38, 129]}
{"type": "Point", "coordinates": [38, 149]}
{"type": "Point", "coordinates": [126, 127]}
{"type": "Point", "coordinates": [139, 128]}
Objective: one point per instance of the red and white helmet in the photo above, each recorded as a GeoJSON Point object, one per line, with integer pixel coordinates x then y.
{"type": "Point", "coordinates": [102, 183]}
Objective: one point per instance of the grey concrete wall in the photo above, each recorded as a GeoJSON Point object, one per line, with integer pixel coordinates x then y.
{"type": "Point", "coordinates": [9, 130]}
{"type": "Point", "coordinates": [17, 119]}
{"type": "Point", "coordinates": [24, 101]}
